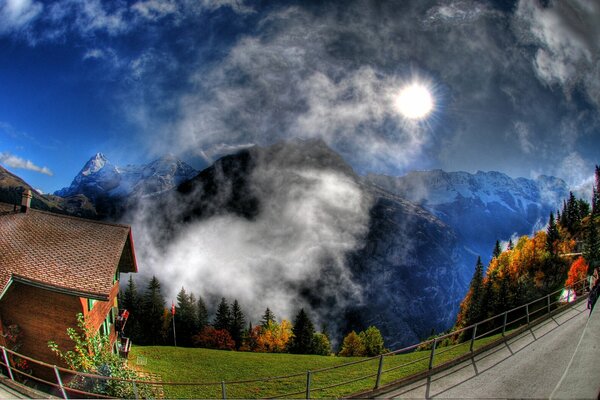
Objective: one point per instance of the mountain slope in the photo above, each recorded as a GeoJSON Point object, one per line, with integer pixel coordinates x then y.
{"type": "Point", "coordinates": [482, 207]}
{"type": "Point", "coordinates": [100, 178]}
{"type": "Point", "coordinates": [290, 226]}
{"type": "Point", "coordinates": [11, 191]}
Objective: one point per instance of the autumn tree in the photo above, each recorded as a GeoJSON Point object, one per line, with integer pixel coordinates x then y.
{"type": "Point", "coordinates": [321, 344]}
{"type": "Point", "coordinates": [577, 271]}
{"type": "Point", "coordinates": [372, 341]}
{"type": "Point", "coordinates": [212, 338]}
{"type": "Point", "coordinates": [352, 346]}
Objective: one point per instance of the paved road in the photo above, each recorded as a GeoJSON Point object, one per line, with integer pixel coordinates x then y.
{"type": "Point", "coordinates": [528, 366]}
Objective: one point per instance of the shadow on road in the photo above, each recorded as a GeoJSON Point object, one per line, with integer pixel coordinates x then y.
{"type": "Point", "coordinates": [491, 358]}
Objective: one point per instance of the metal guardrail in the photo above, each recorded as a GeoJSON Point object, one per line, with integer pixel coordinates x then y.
{"type": "Point", "coordinates": [526, 315]}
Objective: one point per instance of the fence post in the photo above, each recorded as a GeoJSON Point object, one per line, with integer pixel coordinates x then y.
{"type": "Point", "coordinates": [223, 391]}
{"type": "Point", "coordinates": [62, 388]}
{"type": "Point", "coordinates": [527, 311]}
{"type": "Point", "coordinates": [432, 353]}
{"type": "Point", "coordinates": [473, 338]}
{"type": "Point", "coordinates": [379, 370]}
{"type": "Point", "coordinates": [135, 390]}
{"type": "Point", "coordinates": [308, 384]}
{"type": "Point", "coordinates": [548, 304]}
{"type": "Point", "coordinates": [504, 323]}
{"type": "Point", "coordinates": [10, 374]}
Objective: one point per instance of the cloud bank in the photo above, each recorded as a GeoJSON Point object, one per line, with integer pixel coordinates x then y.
{"type": "Point", "coordinates": [13, 161]}
{"type": "Point", "coordinates": [290, 254]}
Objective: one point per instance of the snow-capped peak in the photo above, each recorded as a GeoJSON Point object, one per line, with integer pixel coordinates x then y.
{"type": "Point", "coordinates": [95, 164]}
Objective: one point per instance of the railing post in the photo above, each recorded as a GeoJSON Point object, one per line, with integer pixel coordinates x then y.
{"type": "Point", "coordinates": [308, 384]}
{"type": "Point", "coordinates": [135, 390]}
{"type": "Point", "coordinates": [10, 374]}
{"type": "Point", "coordinates": [548, 301]}
{"type": "Point", "coordinates": [379, 370]}
{"type": "Point", "coordinates": [223, 391]}
{"type": "Point", "coordinates": [473, 338]}
{"type": "Point", "coordinates": [432, 353]}
{"type": "Point", "coordinates": [62, 388]}
{"type": "Point", "coordinates": [504, 323]}
{"type": "Point", "coordinates": [527, 312]}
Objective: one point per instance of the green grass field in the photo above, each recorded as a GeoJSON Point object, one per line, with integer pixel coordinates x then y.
{"type": "Point", "coordinates": [193, 365]}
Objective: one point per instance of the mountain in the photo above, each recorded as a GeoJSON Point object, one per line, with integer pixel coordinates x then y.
{"type": "Point", "coordinates": [481, 207]}
{"type": "Point", "coordinates": [297, 225]}
{"type": "Point", "coordinates": [111, 188]}
{"type": "Point", "coordinates": [11, 190]}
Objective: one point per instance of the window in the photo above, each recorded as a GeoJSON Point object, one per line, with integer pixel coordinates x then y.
{"type": "Point", "coordinates": [90, 304]}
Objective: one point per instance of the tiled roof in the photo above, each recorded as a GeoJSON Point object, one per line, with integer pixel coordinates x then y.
{"type": "Point", "coordinates": [62, 253]}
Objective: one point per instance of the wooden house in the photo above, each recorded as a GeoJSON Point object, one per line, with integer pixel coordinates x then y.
{"type": "Point", "coordinates": [53, 267]}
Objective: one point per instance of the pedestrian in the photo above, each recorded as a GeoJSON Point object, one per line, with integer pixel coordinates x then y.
{"type": "Point", "coordinates": [594, 293]}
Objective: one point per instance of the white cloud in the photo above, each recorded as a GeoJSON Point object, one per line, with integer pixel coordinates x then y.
{"type": "Point", "coordinates": [18, 14]}
{"type": "Point", "coordinates": [155, 9]}
{"type": "Point", "coordinates": [524, 137]}
{"type": "Point", "coordinates": [568, 36]}
{"type": "Point", "coordinates": [17, 162]}
{"type": "Point", "coordinates": [308, 221]}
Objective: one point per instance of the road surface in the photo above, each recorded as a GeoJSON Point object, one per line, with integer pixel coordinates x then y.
{"type": "Point", "coordinates": [531, 365]}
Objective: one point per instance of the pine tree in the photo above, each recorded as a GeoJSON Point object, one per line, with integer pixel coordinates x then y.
{"type": "Point", "coordinates": [474, 311]}
{"type": "Point", "coordinates": [591, 250]}
{"type": "Point", "coordinates": [596, 193]}
{"type": "Point", "coordinates": [186, 319]}
{"type": "Point", "coordinates": [237, 322]}
{"type": "Point", "coordinates": [202, 313]}
{"type": "Point", "coordinates": [497, 250]}
{"type": "Point", "coordinates": [153, 308]}
{"type": "Point", "coordinates": [130, 301]}
{"type": "Point", "coordinates": [510, 245]}
{"type": "Point", "coordinates": [223, 316]}
{"type": "Point", "coordinates": [552, 235]}
{"type": "Point", "coordinates": [267, 317]}
{"type": "Point", "coordinates": [303, 330]}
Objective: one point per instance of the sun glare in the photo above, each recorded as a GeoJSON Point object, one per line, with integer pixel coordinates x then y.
{"type": "Point", "coordinates": [414, 101]}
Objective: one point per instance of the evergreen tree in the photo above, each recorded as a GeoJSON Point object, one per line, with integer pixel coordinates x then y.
{"type": "Point", "coordinates": [591, 250]}
{"type": "Point", "coordinates": [223, 316]}
{"type": "Point", "coordinates": [237, 322]}
{"type": "Point", "coordinates": [474, 311]}
{"type": "Point", "coordinates": [153, 308]}
{"type": "Point", "coordinates": [510, 245]}
{"type": "Point", "coordinates": [186, 319]}
{"type": "Point", "coordinates": [596, 193]}
{"type": "Point", "coordinates": [497, 250]}
{"type": "Point", "coordinates": [202, 313]}
{"type": "Point", "coordinates": [267, 317]}
{"type": "Point", "coordinates": [552, 235]}
{"type": "Point", "coordinates": [130, 301]}
{"type": "Point", "coordinates": [303, 330]}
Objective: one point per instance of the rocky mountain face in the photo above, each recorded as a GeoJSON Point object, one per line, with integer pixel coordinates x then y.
{"type": "Point", "coordinates": [350, 252]}
{"type": "Point", "coordinates": [112, 188]}
{"type": "Point", "coordinates": [482, 207]}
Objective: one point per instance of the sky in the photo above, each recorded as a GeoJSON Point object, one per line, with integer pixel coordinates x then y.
{"type": "Point", "coordinates": [515, 86]}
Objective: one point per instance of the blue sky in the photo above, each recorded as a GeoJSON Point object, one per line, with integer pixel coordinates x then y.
{"type": "Point", "coordinates": [516, 85]}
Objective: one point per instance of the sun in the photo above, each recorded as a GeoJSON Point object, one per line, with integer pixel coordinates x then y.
{"type": "Point", "coordinates": [414, 101]}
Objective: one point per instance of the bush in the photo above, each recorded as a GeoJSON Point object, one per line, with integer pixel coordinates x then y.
{"type": "Point", "coordinates": [212, 338]}
{"type": "Point", "coordinates": [92, 354]}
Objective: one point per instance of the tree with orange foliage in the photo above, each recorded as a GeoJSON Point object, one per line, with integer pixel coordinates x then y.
{"type": "Point", "coordinates": [212, 338]}
{"type": "Point", "coordinates": [577, 272]}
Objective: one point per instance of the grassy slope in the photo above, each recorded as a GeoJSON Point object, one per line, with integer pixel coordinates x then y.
{"type": "Point", "coordinates": [203, 365]}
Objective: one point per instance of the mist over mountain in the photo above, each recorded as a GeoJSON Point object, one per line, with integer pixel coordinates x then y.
{"type": "Point", "coordinates": [292, 225]}
{"type": "Point", "coordinates": [481, 207]}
